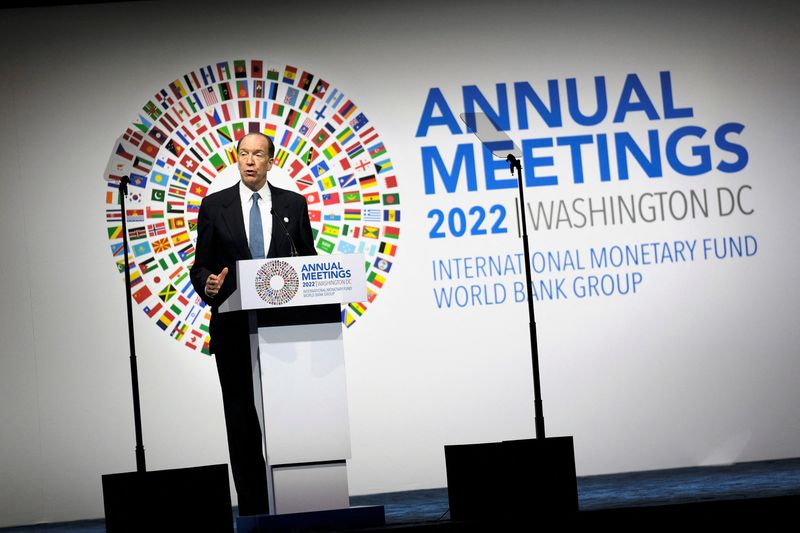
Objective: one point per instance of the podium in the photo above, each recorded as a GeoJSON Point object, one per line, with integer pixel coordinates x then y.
{"type": "Point", "coordinates": [300, 387]}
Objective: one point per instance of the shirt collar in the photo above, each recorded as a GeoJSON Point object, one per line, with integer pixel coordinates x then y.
{"type": "Point", "coordinates": [246, 194]}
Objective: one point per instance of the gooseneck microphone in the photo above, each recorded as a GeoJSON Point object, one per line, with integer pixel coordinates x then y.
{"type": "Point", "coordinates": [286, 231]}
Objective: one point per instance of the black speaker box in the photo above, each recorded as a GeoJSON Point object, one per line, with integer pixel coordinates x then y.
{"type": "Point", "coordinates": [517, 481]}
{"type": "Point", "coordinates": [186, 499]}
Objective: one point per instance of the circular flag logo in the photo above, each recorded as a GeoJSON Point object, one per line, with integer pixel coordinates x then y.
{"type": "Point", "coordinates": [185, 137]}
{"type": "Point", "coordinates": [277, 282]}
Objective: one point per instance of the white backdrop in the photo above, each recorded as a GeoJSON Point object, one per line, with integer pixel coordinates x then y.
{"type": "Point", "coordinates": [699, 366]}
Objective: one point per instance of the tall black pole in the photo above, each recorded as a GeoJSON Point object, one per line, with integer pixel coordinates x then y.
{"type": "Point", "coordinates": [537, 392]}
{"type": "Point", "coordinates": [137, 413]}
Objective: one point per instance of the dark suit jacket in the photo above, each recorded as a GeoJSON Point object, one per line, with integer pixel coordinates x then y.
{"type": "Point", "coordinates": [221, 241]}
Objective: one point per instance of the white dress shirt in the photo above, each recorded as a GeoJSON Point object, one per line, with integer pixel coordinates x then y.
{"type": "Point", "coordinates": [264, 205]}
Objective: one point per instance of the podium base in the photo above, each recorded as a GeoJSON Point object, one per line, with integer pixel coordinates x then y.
{"type": "Point", "coordinates": [186, 499]}
{"type": "Point", "coordinates": [333, 519]}
{"type": "Point", "coordinates": [512, 480]}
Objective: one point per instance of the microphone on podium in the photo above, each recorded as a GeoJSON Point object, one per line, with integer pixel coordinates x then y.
{"type": "Point", "coordinates": [286, 231]}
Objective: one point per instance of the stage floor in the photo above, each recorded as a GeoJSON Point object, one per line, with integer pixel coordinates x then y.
{"type": "Point", "coordinates": [767, 491]}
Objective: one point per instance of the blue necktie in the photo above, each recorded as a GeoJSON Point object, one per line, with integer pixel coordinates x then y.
{"type": "Point", "coordinates": [256, 231]}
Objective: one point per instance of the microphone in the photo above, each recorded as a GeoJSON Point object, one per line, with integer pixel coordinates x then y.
{"type": "Point", "coordinates": [286, 231]}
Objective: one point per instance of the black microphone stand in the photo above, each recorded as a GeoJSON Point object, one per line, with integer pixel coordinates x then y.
{"type": "Point", "coordinates": [137, 414]}
{"type": "Point", "coordinates": [514, 163]}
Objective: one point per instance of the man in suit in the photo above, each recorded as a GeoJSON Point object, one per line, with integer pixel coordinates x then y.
{"type": "Point", "coordinates": [252, 219]}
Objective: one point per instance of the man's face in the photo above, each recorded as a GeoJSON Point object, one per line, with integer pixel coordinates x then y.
{"type": "Point", "coordinates": [254, 161]}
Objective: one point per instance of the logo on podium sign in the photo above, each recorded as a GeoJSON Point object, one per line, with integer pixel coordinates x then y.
{"type": "Point", "coordinates": [185, 136]}
{"type": "Point", "coordinates": [277, 282]}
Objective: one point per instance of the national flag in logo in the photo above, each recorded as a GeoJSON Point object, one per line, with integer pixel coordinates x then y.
{"type": "Point", "coordinates": [123, 153]}
{"type": "Point", "coordinates": [156, 229]}
{"type": "Point", "coordinates": [141, 248]}
{"type": "Point", "coordinates": [382, 264]}
{"type": "Point", "coordinates": [390, 181]}
{"type": "Point", "coordinates": [320, 88]}
{"type": "Point", "coordinates": [158, 136]}
{"type": "Point", "coordinates": [137, 180]}
{"type": "Point", "coordinates": [177, 89]}
{"type": "Point", "coordinates": [305, 81]}
{"type": "Point", "coordinates": [320, 137]}
{"type": "Point", "coordinates": [371, 232]}
{"type": "Point", "coordinates": [346, 247]}
{"type": "Point", "coordinates": [193, 206]}
{"type": "Point", "coordinates": [135, 215]}
{"type": "Point", "coordinates": [391, 232]}
{"type": "Point", "coordinates": [391, 199]}
{"type": "Point", "coordinates": [391, 215]}
{"type": "Point", "coordinates": [117, 249]}
{"type": "Point", "coordinates": [269, 130]}
{"type": "Point", "coordinates": [165, 320]}
{"type": "Point", "coordinates": [258, 90]}
{"type": "Point", "coordinates": [345, 136]}
{"type": "Point", "coordinates": [297, 145]}
{"type": "Point", "coordinates": [115, 232]}
{"type": "Point", "coordinates": [225, 91]}
{"type": "Point", "coordinates": [238, 132]}
{"type": "Point", "coordinates": [368, 181]}
{"type": "Point", "coordinates": [158, 178]}
{"type": "Point", "coordinates": [161, 245]}
{"type": "Point", "coordinates": [177, 223]}
{"type": "Point", "coordinates": [387, 249]}
{"type": "Point", "coordinates": [244, 109]}
{"type": "Point", "coordinates": [151, 311]}
{"type": "Point", "coordinates": [358, 307]}
{"type": "Point", "coordinates": [256, 69]}
{"type": "Point", "coordinates": [347, 109]}
{"type": "Point", "coordinates": [137, 233]}
{"type": "Point", "coordinates": [377, 150]}
{"type": "Point", "coordinates": [273, 73]}
{"type": "Point", "coordinates": [352, 214]}
{"type": "Point", "coordinates": [347, 318]}
{"type": "Point", "coordinates": [325, 245]}
{"type": "Point", "coordinates": [358, 122]}
{"type": "Point", "coordinates": [292, 119]}
{"type": "Point", "coordinates": [307, 103]}
{"type": "Point", "coordinates": [209, 96]}
{"type": "Point", "coordinates": [154, 213]}
{"type": "Point", "coordinates": [289, 74]}
{"type": "Point", "coordinates": [347, 180]}
{"type": "Point", "coordinates": [175, 148]}
{"type": "Point", "coordinates": [149, 148]}
{"type": "Point", "coordinates": [330, 198]}
{"type": "Point", "coordinates": [312, 197]}
{"type": "Point", "coordinates": [239, 68]}
{"type": "Point", "coordinates": [148, 265]}
{"type": "Point", "coordinates": [307, 126]}
{"type": "Point", "coordinates": [133, 137]}
{"type": "Point", "coordinates": [142, 294]}
{"type": "Point", "coordinates": [280, 157]}
{"type": "Point", "coordinates": [327, 183]}
{"type": "Point", "coordinates": [189, 163]}
{"type": "Point", "coordinates": [372, 215]}
{"type": "Point", "coordinates": [151, 110]}
{"type": "Point", "coordinates": [199, 190]}
{"type": "Point", "coordinates": [143, 124]}
{"type": "Point", "coordinates": [176, 192]}
{"type": "Point", "coordinates": [174, 206]}
{"type": "Point", "coordinates": [368, 135]}
{"type": "Point", "coordinates": [217, 162]}
{"type": "Point", "coordinates": [314, 215]}
{"type": "Point", "coordinates": [333, 217]}
{"type": "Point", "coordinates": [186, 252]}
{"type": "Point", "coordinates": [354, 150]}
{"type": "Point", "coordinates": [320, 169]}
{"type": "Point", "coordinates": [351, 196]}
{"type": "Point", "coordinates": [225, 136]}
{"type": "Point", "coordinates": [371, 294]}
{"type": "Point", "coordinates": [384, 166]}
{"type": "Point", "coordinates": [329, 229]}
{"type": "Point", "coordinates": [291, 96]}
{"type": "Point", "coordinates": [167, 292]}
{"type": "Point", "coordinates": [376, 279]}
{"type": "Point", "coordinates": [371, 198]}
{"type": "Point", "coordinates": [332, 151]}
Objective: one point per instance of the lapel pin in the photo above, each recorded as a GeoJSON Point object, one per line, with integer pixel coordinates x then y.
{"type": "Point", "coordinates": [286, 219]}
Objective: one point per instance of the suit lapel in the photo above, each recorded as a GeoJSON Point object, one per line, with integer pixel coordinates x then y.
{"type": "Point", "coordinates": [279, 245]}
{"type": "Point", "coordinates": [232, 216]}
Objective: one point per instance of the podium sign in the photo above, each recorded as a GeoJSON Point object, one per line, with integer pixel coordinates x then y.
{"type": "Point", "coordinates": [297, 281]}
